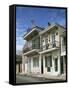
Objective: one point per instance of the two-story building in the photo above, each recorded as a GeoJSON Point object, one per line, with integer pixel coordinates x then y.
{"type": "Point", "coordinates": [43, 50]}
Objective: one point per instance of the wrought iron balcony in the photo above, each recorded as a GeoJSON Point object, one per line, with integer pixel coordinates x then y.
{"type": "Point", "coordinates": [42, 48]}
{"type": "Point", "coordinates": [50, 45]}
{"type": "Point", "coordinates": [37, 46]}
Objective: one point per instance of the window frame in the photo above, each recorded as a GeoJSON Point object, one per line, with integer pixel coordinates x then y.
{"type": "Point", "coordinates": [56, 64]}
{"type": "Point", "coordinates": [48, 60]}
{"type": "Point", "coordinates": [36, 61]}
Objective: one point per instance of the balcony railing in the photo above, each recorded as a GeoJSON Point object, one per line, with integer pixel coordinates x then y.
{"type": "Point", "coordinates": [31, 48]}
{"type": "Point", "coordinates": [42, 48]}
{"type": "Point", "coordinates": [50, 45]}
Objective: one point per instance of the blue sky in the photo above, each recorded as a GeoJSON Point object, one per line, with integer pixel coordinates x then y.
{"type": "Point", "coordinates": [41, 16]}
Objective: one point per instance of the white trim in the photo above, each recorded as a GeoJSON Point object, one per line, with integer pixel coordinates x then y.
{"type": "Point", "coordinates": [30, 32]}
{"type": "Point", "coordinates": [45, 51]}
{"type": "Point", "coordinates": [29, 52]}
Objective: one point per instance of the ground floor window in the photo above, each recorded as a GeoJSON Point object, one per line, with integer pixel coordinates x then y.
{"type": "Point", "coordinates": [35, 61]}
{"type": "Point", "coordinates": [48, 63]}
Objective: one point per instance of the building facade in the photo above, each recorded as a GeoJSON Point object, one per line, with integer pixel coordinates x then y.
{"type": "Point", "coordinates": [44, 50]}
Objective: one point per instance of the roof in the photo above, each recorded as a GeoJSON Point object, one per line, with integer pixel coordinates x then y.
{"type": "Point", "coordinates": [50, 27]}
{"type": "Point", "coordinates": [37, 27]}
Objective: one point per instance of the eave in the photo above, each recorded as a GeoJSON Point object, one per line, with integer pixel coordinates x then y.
{"type": "Point", "coordinates": [31, 34]}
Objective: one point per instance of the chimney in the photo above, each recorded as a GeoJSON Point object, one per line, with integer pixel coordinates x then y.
{"type": "Point", "coordinates": [49, 24]}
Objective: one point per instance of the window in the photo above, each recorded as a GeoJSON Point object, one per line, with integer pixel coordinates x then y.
{"type": "Point", "coordinates": [35, 61]}
{"type": "Point", "coordinates": [48, 63]}
{"type": "Point", "coordinates": [56, 64]}
{"type": "Point", "coordinates": [53, 37]}
{"type": "Point", "coordinates": [33, 44]}
{"type": "Point", "coordinates": [36, 43]}
{"type": "Point", "coordinates": [53, 40]}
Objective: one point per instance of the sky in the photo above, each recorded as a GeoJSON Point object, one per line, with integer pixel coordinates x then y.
{"type": "Point", "coordinates": [41, 17]}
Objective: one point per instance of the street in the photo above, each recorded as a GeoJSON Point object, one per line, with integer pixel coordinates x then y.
{"type": "Point", "coordinates": [29, 79]}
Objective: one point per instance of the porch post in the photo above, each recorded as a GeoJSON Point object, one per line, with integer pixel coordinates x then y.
{"type": "Point", "coordinates": [23, 65]}
{"type": "Point", "coordinates": [59, 64]}
{"type": "Point", "coordinates": [40, 63]}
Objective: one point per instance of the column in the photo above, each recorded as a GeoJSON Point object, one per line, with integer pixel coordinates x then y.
{"type": "Point", "coordinates": [40, 62]}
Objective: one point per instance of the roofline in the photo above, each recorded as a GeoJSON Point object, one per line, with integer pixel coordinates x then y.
{"type": "Point", "coordinates": [47, 29]}
{"type": "Point", "coordinates": [33, 29]}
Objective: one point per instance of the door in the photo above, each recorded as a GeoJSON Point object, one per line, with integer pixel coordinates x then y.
{"type": "Point", "coordinates": [41, 65]}
{"type": "Point", "coordinates": [29, 64]}
{"type": "Point", "coordinates": [61, 65]}
{"type": "Point", "coordinates": [19, 68]}
{"type": "Point", "coordinates": [56, 64]}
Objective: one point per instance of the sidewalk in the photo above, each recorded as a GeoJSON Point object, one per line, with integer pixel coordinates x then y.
{"type": "Point", "coordinates": [59, 77]}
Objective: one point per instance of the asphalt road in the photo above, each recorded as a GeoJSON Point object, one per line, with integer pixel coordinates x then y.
{"type": "Point", "coordinates": [29, 79]}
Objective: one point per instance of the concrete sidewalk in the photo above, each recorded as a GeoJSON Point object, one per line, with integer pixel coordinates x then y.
{"type": "Point", "coordinates": [59, 77]}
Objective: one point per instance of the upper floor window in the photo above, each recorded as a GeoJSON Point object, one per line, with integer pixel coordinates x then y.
{"type": "Point", "coordinates": [36, 43]}
{"type": "Point", "coordinates": [46, 39]}
{"type": "Point", "coordinates": [53, 37]}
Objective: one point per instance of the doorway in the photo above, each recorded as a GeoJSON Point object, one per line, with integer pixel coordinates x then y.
{"type": "Point", "coordinates": [61, 65]}
{"type": "Point", "coordinates": [30, 65]}
{"type": "Point", "coordinates": [41, 65]}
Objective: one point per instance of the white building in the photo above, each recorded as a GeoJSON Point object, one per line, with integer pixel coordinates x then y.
{"type": "Point", "coordinates": [44, 50]}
